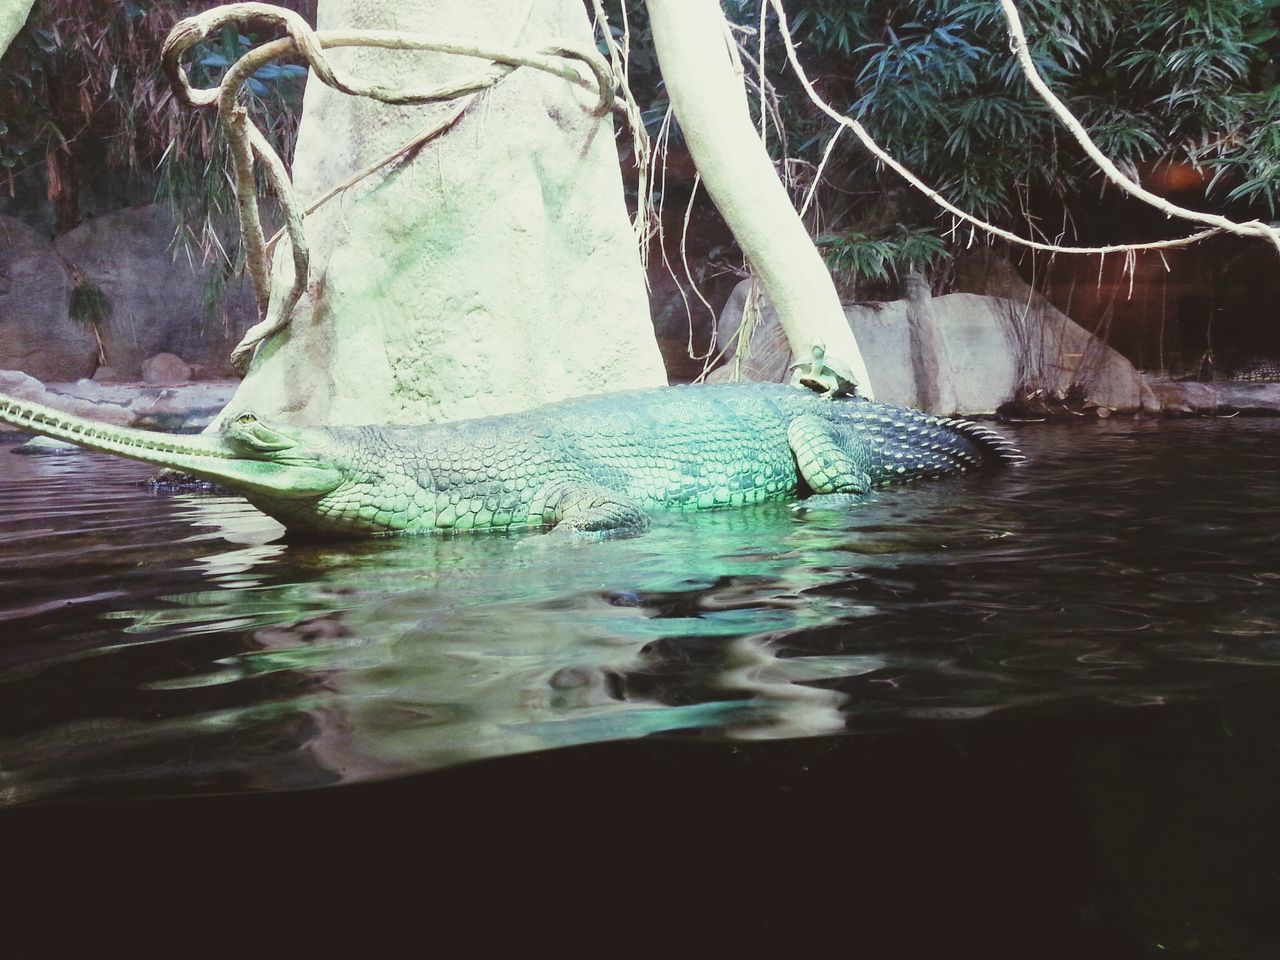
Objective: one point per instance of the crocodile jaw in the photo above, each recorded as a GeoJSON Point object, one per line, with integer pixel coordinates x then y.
{"type": "Point", "coordinates": [208, 457]}
{"type": "Point", "coordinates": [273, 481]}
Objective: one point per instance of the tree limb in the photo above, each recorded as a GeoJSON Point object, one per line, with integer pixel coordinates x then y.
{"type": "Point", "coordinates": [884, 157]}
{"type": "Point", "coordinates": [1252, 228]}
{"type": "Point", "coordinates": [710, 102]}
{"type": "Point", "coordinates": [247, 142]}
{"type": "Point", "coordinates": [13, 14]}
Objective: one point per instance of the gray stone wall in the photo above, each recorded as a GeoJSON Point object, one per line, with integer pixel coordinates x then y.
{"type": "Point", "coordinates": [991, 347]}
{"type": "Point", "coordinates": [37, 335]}
{"type": "Point", "coordinates": [159, 301]}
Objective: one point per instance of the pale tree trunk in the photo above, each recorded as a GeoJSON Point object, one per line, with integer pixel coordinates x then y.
{"type": "Point", "coordinates": [492, 270]}
{"type": "Point", "coordinates": [931, 365]}
{"type": "Point", "coordinates": [13, 14]}
{"type": "Point", "coordinates": [709, 100]}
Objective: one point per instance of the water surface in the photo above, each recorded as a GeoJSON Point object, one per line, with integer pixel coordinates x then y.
{"type": "Point", "coordinates": [1045, 638]}
{"type": "Point", "coordinates": [164, 642]}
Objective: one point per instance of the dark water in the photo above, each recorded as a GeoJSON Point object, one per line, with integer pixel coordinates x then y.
{"type": "Point", "coordinates": [1031, 712]}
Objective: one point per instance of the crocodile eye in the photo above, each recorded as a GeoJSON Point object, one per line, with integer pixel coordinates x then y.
{"type": "Point", "coordinates": [246, 418]}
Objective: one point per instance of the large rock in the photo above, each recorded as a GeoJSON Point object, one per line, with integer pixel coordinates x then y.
{"type": "Point", "coordinates": [992, 348]}
{"type": "Point", "coordinates": [37, 333]}
{"type": "Point", "coordinates": [165, 368]}
{"type": "Point", "coordinates": [490, 270]}
{"type": "Point", "coordinates": [158, 303]}
{"type": "Point", "coordinates": [18, 384]}
{"type": "Point", "coordinates": [1189, 398]}
{"type": "Point", "coordinates": [996, 348]}
{"type": "Point", "coordinates": [184, 408]}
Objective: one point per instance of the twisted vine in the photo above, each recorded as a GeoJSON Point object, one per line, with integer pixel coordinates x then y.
{"type": "Point", "coordinates": [248, 145]}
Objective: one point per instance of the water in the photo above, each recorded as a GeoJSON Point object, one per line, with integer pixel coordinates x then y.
{"type": "Point", "coordinates": [1066, 671]}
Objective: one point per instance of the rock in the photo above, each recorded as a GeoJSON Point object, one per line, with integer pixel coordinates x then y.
{"type": "Point", "coordinates": [1056, 352]}
{"type": "Point", "coordinates": [165, 368]}
{"type": "Point", "coordinates": [998, 346]}
{"type": "Point", "coordinates": [991, 346]}
{"type": "Point", "coordinates": [770, 354]}
{"type": "Point", "coordinates": [676, 312]}
{"type": "Point", "coordinates": [105, 375]}
{"type": "Point", "coordinates": [1150, 402]}
{"type": "Point", "coordinates": [18, 384]}
{"type": "Point", "coordinates": [933, 369]}
{"type": "Point", "coordinates": [1191, 398]}
{"type": "Point", "coordinates": [680, 367]}
{"type": "Point", "coordinates": [46, 446]}
{"type": "Point", "coordinates": [157, 303]}
{"type": "Point", "coordinates": [96, 390]}
{"type": "Point", "coordinates": [37, 334]}
{"type": "Point", "coordinates": [21, 385]}
{"type": "Point", "coordinates": [504, 247]}
{"type": "Point", "coordinates": [185, 408]}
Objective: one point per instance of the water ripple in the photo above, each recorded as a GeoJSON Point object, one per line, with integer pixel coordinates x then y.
{"type": "Point", "coordinates": [175, 642]}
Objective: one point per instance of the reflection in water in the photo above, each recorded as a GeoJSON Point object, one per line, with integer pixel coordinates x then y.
{"type": "Point", "coordinates": [176, 643]}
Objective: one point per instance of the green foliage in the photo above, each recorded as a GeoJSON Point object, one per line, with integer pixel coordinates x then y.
{"type": "Point", "coordinates": [933, 80]}
{"type": "Point", "coordinates": [89, 304]}
{"type": "Point", "coordinates": [885, 257]}
{"type": "Point", "coordinates": [935, 83]}
{"type": "Point", "coordinates": [832, 26]}
{"type": "Point", "coordinates": [1249, 167]}
{"type": "Point", "coordinates": [82, 82]}
{"type": "Point", "coordinates": [1154, 81]}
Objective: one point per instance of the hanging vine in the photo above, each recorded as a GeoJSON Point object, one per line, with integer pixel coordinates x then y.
{"type": "Point", "coordinates": [249, 147]}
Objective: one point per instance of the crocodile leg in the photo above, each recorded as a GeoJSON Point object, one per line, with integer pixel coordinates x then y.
{"type": "Point", "coordinates": [828, 455]}
{"type": "Point", "coordinates": [589, 510]}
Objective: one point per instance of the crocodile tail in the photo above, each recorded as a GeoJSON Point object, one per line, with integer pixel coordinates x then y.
{"type": "Point", "coordinates": [994, 447]}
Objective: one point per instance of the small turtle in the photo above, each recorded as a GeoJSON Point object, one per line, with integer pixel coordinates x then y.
{"type": "Point", "coordinates": [830, 377]}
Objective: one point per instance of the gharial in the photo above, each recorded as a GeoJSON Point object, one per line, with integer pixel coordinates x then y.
{"type": "Point", "coordinates": [594, 466]}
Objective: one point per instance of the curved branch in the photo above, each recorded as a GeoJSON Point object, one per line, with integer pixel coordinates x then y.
{"type": "Point", "coordinates": [247, 142]}
{"type": "Point", "coordinates": [1253, 228]}
{"type": "Point", "coordinates": [282, 186]}
{"type": "Point", "coordinates": [190, 31]}
{"type": "Point", "coordinates": [710, 101]}
{"type": "Point", "coordinates": [418, 139]}
{"type": "Point", "coordinates": [884, 157]}
{"type": "Point", "coordinates": [310, 45]}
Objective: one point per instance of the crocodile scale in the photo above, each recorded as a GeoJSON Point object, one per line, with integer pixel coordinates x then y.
{"type": "Point", "coordinates": [591, 465]}
{"type": "Point", "coordinates": [676, 448]}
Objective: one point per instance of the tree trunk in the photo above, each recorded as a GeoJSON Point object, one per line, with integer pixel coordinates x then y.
{"type": "Point", "coordinates": [13, 14]}
{"type": "Point", "coordinates": [491, 270]}
{"type": "Point", "coordinates": [62, 169]}
{"type": "Point", "coordinates": [931, 364]}
{"type": "Point", "coordinates": [709, 99]}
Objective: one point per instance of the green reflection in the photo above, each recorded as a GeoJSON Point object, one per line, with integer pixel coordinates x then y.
{"type": "Point", "coordinates": [177, 643]}
{"type": "Point", "coordinates": [404, 655]}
